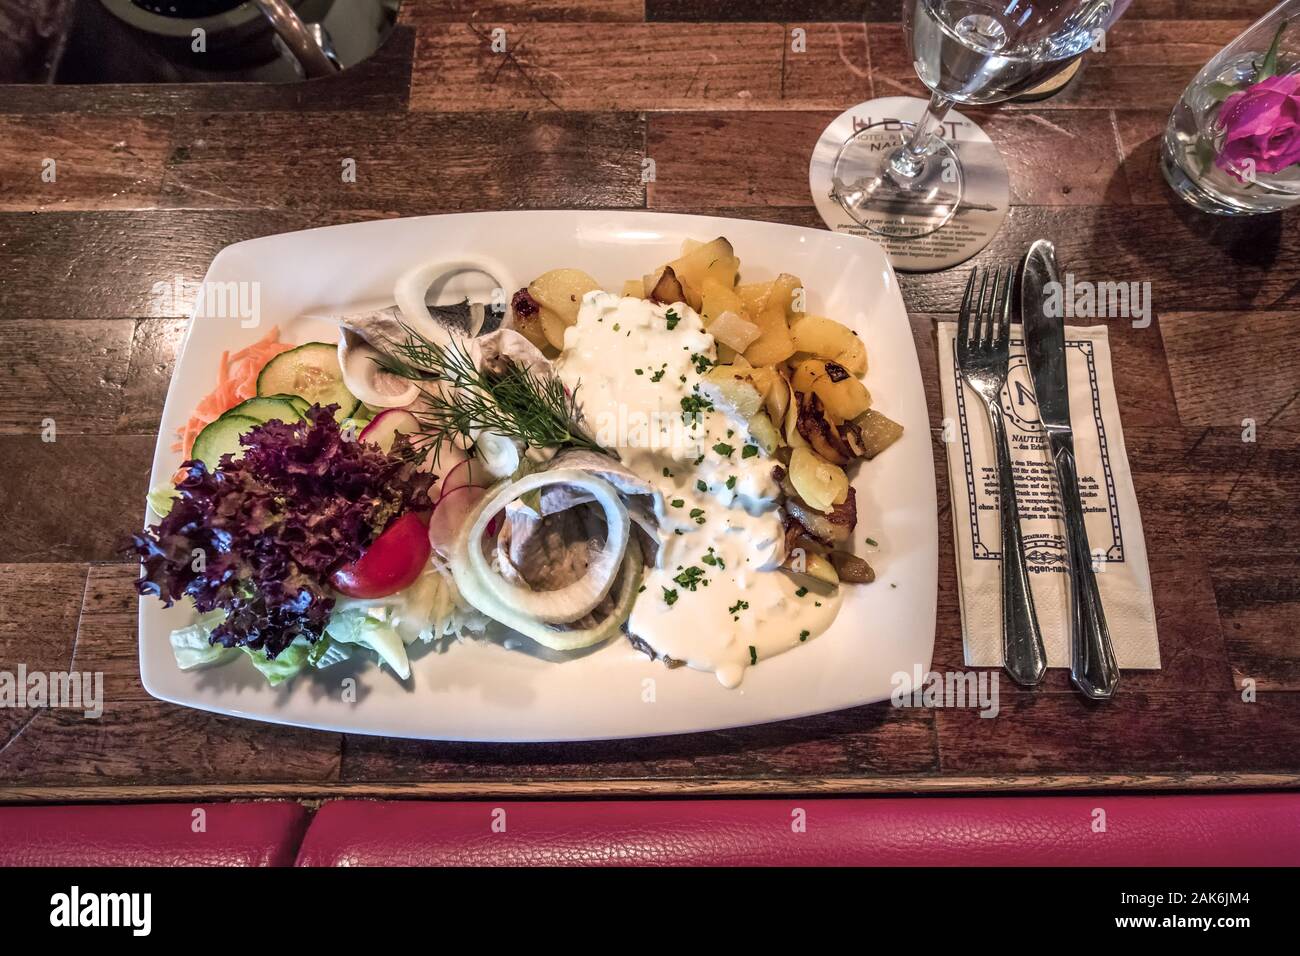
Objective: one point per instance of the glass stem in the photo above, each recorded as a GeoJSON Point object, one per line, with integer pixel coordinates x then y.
{"type": "Point", "coordinates": [909, 159]}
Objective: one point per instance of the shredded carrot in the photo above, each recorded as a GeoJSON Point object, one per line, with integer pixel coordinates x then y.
{"type": "Point", "coordinates": [236, 381]}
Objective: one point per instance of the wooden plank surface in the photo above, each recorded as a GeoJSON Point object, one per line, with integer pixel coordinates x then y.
{"type": "Point", "coordinates": [140, 740]}
{"type": "Point", "coordinates": [40, 608]}
{"type": "Point", "coordinates": [638, 66]}
{"type": "Point", "coordinates": [64, 376]}
{"type": "Point", "coordinates": [888, 11]}
{"type": "Point", "coordinates": [1259, 347]}
{"type": "Point", "coordinates": [71, 162]}
{"type": "Point", "coordinates": [153, 181]}
{"type": "Point", "coordinates": [419, 13]}
{"type": "Point", "coordinates": [73, 498]}
{"type": "Point", "coordinates": [405, 162]}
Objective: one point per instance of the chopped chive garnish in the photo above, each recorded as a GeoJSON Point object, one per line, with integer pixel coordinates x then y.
{"type": "Point", "coordinates": [694, 405]}
{"type": "Point", "coordinates": [690, 578]}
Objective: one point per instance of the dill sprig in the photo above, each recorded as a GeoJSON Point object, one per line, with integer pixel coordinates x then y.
{"type": "Point", "coordinates": [517, 403]}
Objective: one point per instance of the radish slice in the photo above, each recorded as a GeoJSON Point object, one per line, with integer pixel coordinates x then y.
{"type": "Point", "coordinates": [469, 472]}
{"type": "Point", "coordinates": [387, 425]}
{"type": "Point", "coordinates": [452, 510]}
{"type": "Point", "coordinates": [451, 452]}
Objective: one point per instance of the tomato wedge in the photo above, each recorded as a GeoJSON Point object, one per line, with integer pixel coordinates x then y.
{"type": "Point", "coordinates": [393, 561]}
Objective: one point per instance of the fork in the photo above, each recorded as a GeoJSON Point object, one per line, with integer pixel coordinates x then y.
{"type": "Point", "coordinates": [983, 331]}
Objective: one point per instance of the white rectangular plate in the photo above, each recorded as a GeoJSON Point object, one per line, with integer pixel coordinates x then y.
{"type": "Point", "coordinates": [482, 691]}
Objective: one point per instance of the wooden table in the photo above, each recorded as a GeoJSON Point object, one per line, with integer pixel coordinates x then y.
{"type": "Point", "coordinates": [154, 181]}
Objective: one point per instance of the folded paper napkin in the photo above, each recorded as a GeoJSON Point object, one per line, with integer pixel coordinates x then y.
{"type": "Point", "coordinates": [1110, 506]}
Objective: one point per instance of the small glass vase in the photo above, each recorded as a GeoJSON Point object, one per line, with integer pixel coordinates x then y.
{"type": "Point", "coordinates": [1230, 142]}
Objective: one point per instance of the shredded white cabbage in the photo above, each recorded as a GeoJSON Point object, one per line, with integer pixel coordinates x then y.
{"type": "Point", "coordinates": [429, 609]}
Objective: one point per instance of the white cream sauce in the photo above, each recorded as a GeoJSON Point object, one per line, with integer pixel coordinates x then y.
{"type": "Point", "coordinates": [716, 599]}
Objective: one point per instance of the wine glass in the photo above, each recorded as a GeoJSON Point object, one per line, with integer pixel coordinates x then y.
{"type": "Point", "coordinates": [904, 180]}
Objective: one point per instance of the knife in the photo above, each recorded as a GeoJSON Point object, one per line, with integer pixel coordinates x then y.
{"type": "Point", "coordinates": [1092, 658]}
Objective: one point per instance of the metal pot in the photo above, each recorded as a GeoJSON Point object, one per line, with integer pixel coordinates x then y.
{"type": "Point", "coordinates": [258, 39]}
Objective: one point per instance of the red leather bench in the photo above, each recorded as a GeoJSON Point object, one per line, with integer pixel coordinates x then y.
{"type": "Point", "coordinates": [1241, 830]}
{"type": "Point", "coordinates": [159, 834]}
{"type": "Point", "coordinates": [1181, 830]}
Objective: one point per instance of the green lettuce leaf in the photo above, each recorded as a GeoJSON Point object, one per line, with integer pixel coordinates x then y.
{"type": "Point", "coordinates": [289, 662]}
{"type": "Point", "coordinates": [358, 627]}
{"type": "Point", "coordinates": [327, 652]}
{"type": "Point", "coordinates": [190, 644]}
{"type": "Point", "coordinates": [160, 499]}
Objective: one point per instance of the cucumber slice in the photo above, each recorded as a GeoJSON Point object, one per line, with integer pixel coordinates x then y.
{"type": "Point", "coordinates": [278, 409]}
{"type": "Point", "coordinates": [297, 401]}
{"type": "Point", "coordinates": [311, 372]}
{"type": "Point", "coordinates": [352, 428]}
{"type": "Point", "coordinates": [221, 438]}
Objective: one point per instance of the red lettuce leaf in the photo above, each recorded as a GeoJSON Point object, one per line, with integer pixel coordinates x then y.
{"type": "Point", "coordinates": [260, 536]}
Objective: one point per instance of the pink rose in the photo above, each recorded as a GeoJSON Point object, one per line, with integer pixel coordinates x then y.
{"type": "Point", "coordinates": [1263, 127]}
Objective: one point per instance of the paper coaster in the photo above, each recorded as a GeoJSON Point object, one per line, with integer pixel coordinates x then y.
{"type": "Point", "coordinates": [987, 187]}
